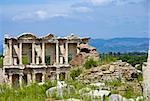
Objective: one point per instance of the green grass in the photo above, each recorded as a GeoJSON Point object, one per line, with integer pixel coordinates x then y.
{"type": "Point", "coordinates": [34, 92]}
{"type": "Point", "coordinates": [75, 73]}
{"type": "Point", "coordinates": [114, 83]}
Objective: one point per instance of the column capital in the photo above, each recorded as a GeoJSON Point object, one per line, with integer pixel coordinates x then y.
{"type": "Point", "coordinates": [20, 42]}
{"type": "Point", "coordinates": [57, 41]}
{"type": "Point", "coordinates": [21, 74]}
{"type": "Point", "coordinates": [10, 41]}
{"type": "Point", "coordinates": [34, 73]}
{"type": "Point", "coordinates": [44, 73]}
{"type": "Point", "coordinates": [10, 74]}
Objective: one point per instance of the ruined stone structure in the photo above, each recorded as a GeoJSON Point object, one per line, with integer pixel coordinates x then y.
{"type": "Point", "coordinates": [29, 59]}
{"type": "Point", "coordinates": [86, 52]}
{"type": "Point", "coordinates": [146, 77]}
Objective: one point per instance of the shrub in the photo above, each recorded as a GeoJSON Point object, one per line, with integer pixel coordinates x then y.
{"type": "Point", "coordinates": [114, 83]}
{"type": "Point", "coordinates": [129, 92]}
{"type": "Point", "coordinates": [90, 63]}
{"type": "Point", "coordinates": [105, 59]}
{"type": "Point", "coordinates": [75, 73]}
{"type": "Point", "coordinates": [140, 77]}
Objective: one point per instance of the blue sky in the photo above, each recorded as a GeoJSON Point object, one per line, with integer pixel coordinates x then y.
{"type": "Point", "coordinates": [93, 18]}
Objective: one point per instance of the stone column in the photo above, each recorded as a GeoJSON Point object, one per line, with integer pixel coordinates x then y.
{"type": "Point", "coordinates": [43, 77]}
{"type": "Point", "coordinates": [61, 59]}
{"type": "Point", "coordinates": [57, 73]}
{"type": "Point", "coordinates": [37, 60]}
{"type": "Point", "coordinates": [66, 75]}
{"type": "Point", "coordinates": [57, 52]}
{"type": "Point", "coordinates": [146, 78]}
{"type": "Point", "coordinates": [20, 79]}
{"type": "Point", "coordinates": [66, 53]}
{"type": "Point", "coordinates": [29, 80]}
{"type": "Point", "coordinates": [43, 53]}
{"type": "Point", "coordinates": [77, 48]}
{"type": "Point", "coordinates": [10, 52]}
{"type": "Point", "coordinates": [33, 53]}
{"type": "Point", "coordinates": [20, 53]}
{"type": "Point", "coordinates": [34, 77]}
{"type": "Point", "coordinates": [10, 80]}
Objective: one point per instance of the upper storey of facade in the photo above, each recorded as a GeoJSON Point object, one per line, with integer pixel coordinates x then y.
{"type": "Point", "coordinates": [28, 49]}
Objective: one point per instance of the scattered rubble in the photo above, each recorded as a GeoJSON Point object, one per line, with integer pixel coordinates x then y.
{"type": "Point", "coordinates": [114, 71]}
{"type": "Point", "coordinates": [118, 77]}
{"type": "Point", "coordinates": [73, 99]}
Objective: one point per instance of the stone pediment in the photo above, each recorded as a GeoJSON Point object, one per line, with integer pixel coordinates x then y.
{"type": "Point", "coordinates": [72, 36]}
{"type": "Point", "coordinates": [27, 36]}
{"type": "Point", "coordinates": [49, 36]}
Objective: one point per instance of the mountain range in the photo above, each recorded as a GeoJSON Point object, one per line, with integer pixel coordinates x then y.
{"type": "Point", "coordinates": [122, 45]}
{"type": "Point", "coordinates": [116, 45]}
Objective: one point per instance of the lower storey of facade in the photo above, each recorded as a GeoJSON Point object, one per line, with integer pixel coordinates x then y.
{"type": "Point", "coordinates": [26, 76]}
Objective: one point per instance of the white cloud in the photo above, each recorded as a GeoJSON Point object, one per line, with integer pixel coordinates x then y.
{"type": "Point", "coordinates": [48, 11]}
{"type": "Point", "coordinates": [82, 9]}
{"type": "Point", "coordinates": [41, 14]}
{"type": "Point", "coordinates": [38, 15]}
{"type": "Point", "coordinates": [45, 12]}
{"type": "Point", "coordinates": [100, 2]}
{"type": "Point", "coordinates": [117, 2]}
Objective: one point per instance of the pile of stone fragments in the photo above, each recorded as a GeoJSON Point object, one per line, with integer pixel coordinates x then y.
{"type": "Point", "coordinates": [114, 71]}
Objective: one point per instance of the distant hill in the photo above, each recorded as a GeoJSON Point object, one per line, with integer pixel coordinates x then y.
{"type": "Point", "coordinates": [116, 45]}
{"type": "Point", "coordinates": [120, 45]}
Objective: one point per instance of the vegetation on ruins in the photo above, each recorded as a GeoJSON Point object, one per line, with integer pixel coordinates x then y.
{"type": "Point", "coordinates": [75, 73]}
{"type": "Point", "coordinates": [132, 58]}
{"type": "Point", "coordinates": [35, 92]}
{"type": "Point", "coordinates": [90, 63]}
